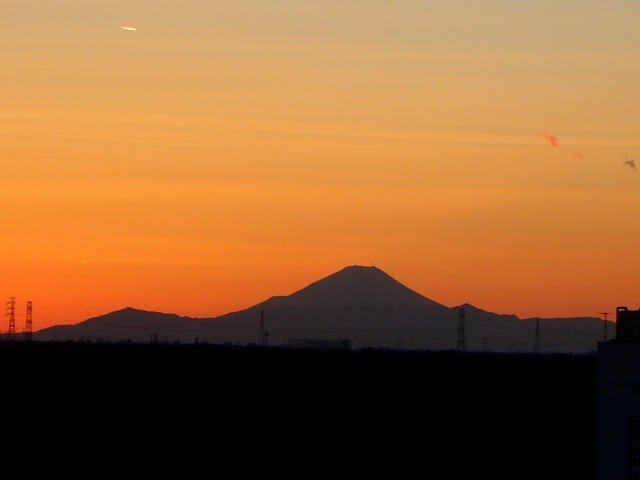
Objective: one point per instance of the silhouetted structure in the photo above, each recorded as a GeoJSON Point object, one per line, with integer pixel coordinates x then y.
{"type": "Point", "coordinates": [461, 319]}
{"type": "Point", "coordinates": [536, 343]}
{"type": "Point", "coordinates": [261, 335]}
{"type": "Point", "coordinates": [617, 428]}
{"type": "Point", "coordinates": [28, 324]}
{"type": "Point", "coordinates": [605, 324]}
{"type": "Point", "coordinates": [627, 325]}
{"type": "Point", "coordinates": [11, 313]}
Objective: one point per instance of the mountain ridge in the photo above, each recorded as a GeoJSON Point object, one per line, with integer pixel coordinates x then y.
{"type": "Point", "coordinates": [363, 304]}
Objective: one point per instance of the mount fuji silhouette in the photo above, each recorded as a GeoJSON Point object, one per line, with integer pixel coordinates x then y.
{"type": "Point", "coordinates": [361, 304]}
{"type": "Point", "coordinates": [353, 286]}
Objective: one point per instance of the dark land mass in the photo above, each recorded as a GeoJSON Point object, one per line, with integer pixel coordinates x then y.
{"type": "Point", "coordinates": [361, 304]}
{"type": "Point", "coordinates": [440, 414]}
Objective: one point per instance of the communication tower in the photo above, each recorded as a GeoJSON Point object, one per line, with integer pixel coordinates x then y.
{"type": "Point", "coordinates": [461, 318]}
{"type": "Point", "coordinates": [536, 344]}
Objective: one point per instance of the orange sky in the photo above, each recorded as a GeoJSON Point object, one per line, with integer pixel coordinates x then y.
{"type": "Point", "coordinates": [225, 152]}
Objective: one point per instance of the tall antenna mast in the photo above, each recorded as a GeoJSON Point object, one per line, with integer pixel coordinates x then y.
{"type": "Point", "coordinates": [461, 317]}
{"type": "Point", "coordinates": [28, 326]}
{"type": "Point", "coordinates": [11, 313]}
{"type": "Point", "coordinates": [605, 324]}
{"type": "Point", "coordinates": [536, 344]}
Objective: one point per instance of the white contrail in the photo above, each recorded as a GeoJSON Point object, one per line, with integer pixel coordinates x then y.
{"type": "Point", "coordinates": [131, 29]}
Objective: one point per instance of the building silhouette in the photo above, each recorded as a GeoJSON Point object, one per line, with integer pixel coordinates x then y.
{"type": "Point", "coordinates": [617, 426]}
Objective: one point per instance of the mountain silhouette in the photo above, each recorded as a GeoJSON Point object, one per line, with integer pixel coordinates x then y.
{"type": "Point", "coordinates": [353, 286]}
{"type": "Point", "coordinates": [362, 304]}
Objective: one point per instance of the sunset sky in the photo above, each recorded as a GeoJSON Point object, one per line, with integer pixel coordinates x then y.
{"type": "Point", "coordinates": [228, 151]}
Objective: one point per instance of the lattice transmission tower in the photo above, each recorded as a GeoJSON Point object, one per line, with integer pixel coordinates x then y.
{"type": "Point", "coordinates": [28, 324]}
{"type": "Point", "coordinates": [11, 313]}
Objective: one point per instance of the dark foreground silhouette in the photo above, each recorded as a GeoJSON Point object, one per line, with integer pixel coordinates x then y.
{"type": "Point", "coordinates": [440, 414]}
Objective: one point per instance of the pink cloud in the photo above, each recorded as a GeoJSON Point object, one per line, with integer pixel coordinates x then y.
{"type": "Point", "coordinates": [551, 139]}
